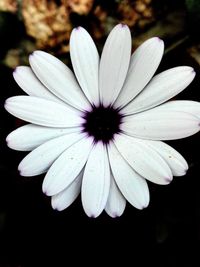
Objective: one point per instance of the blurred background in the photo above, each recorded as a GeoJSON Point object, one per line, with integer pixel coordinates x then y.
{"type": "Point", "coordinates": [167, 233]}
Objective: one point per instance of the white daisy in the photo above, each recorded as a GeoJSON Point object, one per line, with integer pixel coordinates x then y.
{"type": "Point", "coordinates": [101, 134]}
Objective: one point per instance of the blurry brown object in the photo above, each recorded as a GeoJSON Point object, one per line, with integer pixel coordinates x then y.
{"type": "Point", "coordinates": [81, 7]}
{"type": "Point", "coordinates": [194, 52]}
{"type": "Point", "coordinates": [139, 12]}
{"type": "Point", "coordinates": [19, 55]}
{"type": "Point", "coordinates": [8, 5]}
{"type": "Point", "coordinates": [12, 59]}
{"type": "Point", "coordinates": [48, 23]}
{"type": "Point", "coordinates": [98, 23]}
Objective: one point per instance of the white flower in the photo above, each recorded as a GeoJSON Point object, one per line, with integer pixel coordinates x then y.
{"type": "Point", "coordinates": [101, 135]}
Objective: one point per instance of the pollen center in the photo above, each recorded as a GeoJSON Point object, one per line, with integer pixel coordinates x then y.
{"type": "Point", "coordinates": [102, 123]}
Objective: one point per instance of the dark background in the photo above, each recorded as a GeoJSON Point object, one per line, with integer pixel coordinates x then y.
{"type": "Point", "coordinates": [167, 233]}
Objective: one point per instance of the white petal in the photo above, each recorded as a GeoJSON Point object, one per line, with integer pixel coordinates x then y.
{"type": "Point", "coordinates": [40, 159]}
{"type": "Point", "coordinates": [144, 160]}
{"type": "Point", "coordinates": [66, 168]}
{"type": "Point", "coordinates": [114, 63]}
{"type": "Point", "coordinates": [174, 159]}
{"type": "Point", "coordinates": [160, 124]}
{"type": "Point", "coordinates": [133, 186]}
{"type": "Point", "coordinates": [58, 78]}
{"type": "Point", "coordinates": [143, 65]}
{"type": "Point", "coordinates": [187, 106]}
{"type": "Point", "coordinates": [161, 88]}
{"type": "Point", "coordinates": [116, 202]}
{"type": "Point", "coordinates": [30, 136]}
{"type": "Point", "coordinates": [85, 61]}
{"type": "Point", "coordinates": [27, 80]}
{"type": "Point", "coordinates": [66, 197]}
{"type": "Point", "coordinates": [43, 112]}
{"type": "Point", "coordinates": [96, 181]}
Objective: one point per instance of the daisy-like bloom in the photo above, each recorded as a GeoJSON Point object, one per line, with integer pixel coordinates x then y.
{"type": "Point", "coordinates": [102, 134]}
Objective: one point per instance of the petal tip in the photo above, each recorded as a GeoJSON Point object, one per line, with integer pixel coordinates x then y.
{"type": "Point", "coordinates": [6, 104]}
{"type": "Point", "coordinates": [143, 207]}
{"type": "Point", "coordinates": [31, 57]}
{"type": "Point", "coordinates": [78, 28]}
{"type": "Point", "coordinates": [159, 39]}
{"type": "Point", "coordinates": [8, 140]}
{"type": "Point", "coordinates": [168, 180]}
{"type": "Point", "coordinates": [55, 207]}
{"type": "Point", "coordinates": [15, 70]}
{"type": "Point", "coordinates": [155, 39]}
{"type": "Point", "coordinates": [115, 215]}
{"type": "Point", "coordinates": [145, 204]}
{"type": "Point", "coordinates": [47, 191]}
{"type": "Point", "coordinates": [35, 53]}
{"type": "Point", "coordinates": [123, 25]}
{"type": "Point", "coordinates": [92, 215]}
{"type": "Point", "coordinates": [189, 70]}
{"type": "Point", "coordinates": [20, 171]}
{"type": "Point", "coordinates": [193, 72]}
{"type": "Point", "coordinates": [44, 190]}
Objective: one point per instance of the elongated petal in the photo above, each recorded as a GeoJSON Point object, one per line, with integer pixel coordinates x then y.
{"type": "Point", "coordinates": [66, 197]}
{"type": "Point", "coordinates": [133, 186]}
{"type": "Point", "coordinates": [114, 63]}
{"type": "Point", "coordinates": [116, 202]}
{"type": "Point", "coordinates": [58, 78]}
{"type": "Point", "coordinates": [187, 106]}
{"type": "Point", "coordinates": [96, 181]}
{"type": "Point", "coordinates": [41, 158]}
{"type": "Point", "coordinates": [144, 63]}
{"type": "Point", "coordinates": [30, 136]}
{"type": "Point", "coordinates": [27, 80]}
{"type": "Point", "coordinates": [158, 124]}
{"type": "Point", "coordinates": [144, 160]}
{"type": "Point", "coordinates": [66, 168]}
{"type": "Point", "coordinates": [161, 88]}
{"type": "Point", "coordinates": [43, 112]}
{"type": "Point", "coordinates": [85, 61]}
{"type": "Point", "coordinates": [174, 159]}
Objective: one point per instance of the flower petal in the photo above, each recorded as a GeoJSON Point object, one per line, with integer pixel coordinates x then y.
{"type": "Point", "coordinates": [174, 159]}
{"type": "Point", "coordinates": [144, 160]}
{"type": "Point", "coordinates": [160, 124]}
{"type": "Point", "coordinates": [161, 88]}
{"type": "Point", "coordinates": [58, 78]}
{"type": "Point", "coordinates": [66, 197]}
{"type": "Point", "coordinates": [133, 186]}
{"type": "Point", "coordinates": [96, 181]}
{"type": "Point", "coordinates": [27, 80]}
{"type": "Point", "coordinates": [144, 63]}
{"type": "Point", "coordinates": [43, 112]}
{"type": "Point", "coordinates": [114, 63]}
{"type": "Point", "coordinates": [85, 61]}
{"type": "Point", "coordinates": [187, 106]}
{"type": "Point", "coordinates": [40, 159]}
{"type": "Point", "coordinates": [66, 168]}
{"type": "Point", "coordinates": [30, 136]}
{"type": "Point", "coordinates": [116, 202]}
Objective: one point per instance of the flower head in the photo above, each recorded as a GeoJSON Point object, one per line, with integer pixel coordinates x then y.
{"type": "Point", "coordinates": [101, 133]}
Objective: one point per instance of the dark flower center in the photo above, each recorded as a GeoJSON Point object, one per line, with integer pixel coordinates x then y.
{"type": "Point", "coordinates": [102, 123]}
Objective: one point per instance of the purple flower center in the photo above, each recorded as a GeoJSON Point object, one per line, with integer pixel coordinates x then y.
{"type": "Point", "coordinates": [102, 123]}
